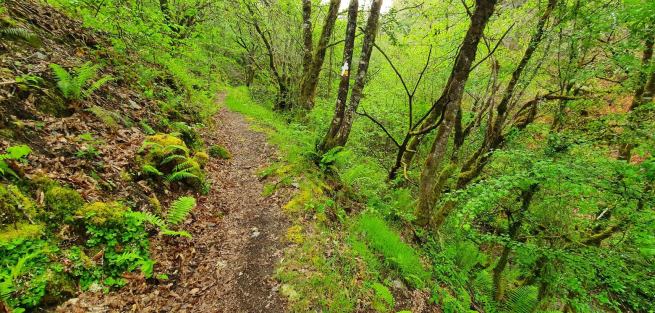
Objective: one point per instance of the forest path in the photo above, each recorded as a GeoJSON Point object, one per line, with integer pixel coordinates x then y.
{"type": "Point", "coordinates": [227, 265]}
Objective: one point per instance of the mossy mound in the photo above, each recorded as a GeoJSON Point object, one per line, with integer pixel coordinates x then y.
{"type": "Point", "coordinates": [217, 151]}
{"type": "Point", "coordinates": [15, 207]}
{"type": "Point", "coordinates": [61, 203]}
{"type": "Point", "coordinates": [23, 231]}
{"type": "Point", "coordinates": [102, 213]}
{"type": "Point", "coordinates": [202, 158]}
{"type": "Point", "coordinates": [157, 147]}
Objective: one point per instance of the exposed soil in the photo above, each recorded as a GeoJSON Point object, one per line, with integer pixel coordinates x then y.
{"type": "Point", "coordinates": [237, 240]}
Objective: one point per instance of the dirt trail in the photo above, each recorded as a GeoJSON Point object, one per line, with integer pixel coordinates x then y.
{"type": "Point", "coordinates": [237, 240]}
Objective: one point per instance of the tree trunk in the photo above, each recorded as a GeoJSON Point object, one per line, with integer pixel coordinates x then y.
{"type": "Point", "coordinates": [450, 101]}
{"type": "Point", "coordinates": [308, 44]}
{"type": "Point", "coordinates": [344, 83]}
{"type": "Point", "coordinates": [643, 93]}
{"type": "Point", "coordinates": [514, 227]}
{"type": "Point", "coordinates": [338, 135]}
{"type": "Point", "coordinates": [313, 71]}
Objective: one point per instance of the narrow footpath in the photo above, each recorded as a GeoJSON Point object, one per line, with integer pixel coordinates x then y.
{"type": "Point", "coordinates": [237, 240]}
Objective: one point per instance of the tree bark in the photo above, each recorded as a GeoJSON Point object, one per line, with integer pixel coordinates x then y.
{"type": "Point", "coordinates": [341, 124]}
{"type": "Point", "coordinates": [312, 72]}
{"type": "Point", "coordinates": [308, 43]}
{"type": "Point", "coordinates": [344, 83]}
{"type": "Point", "coordinates": [450, 101]}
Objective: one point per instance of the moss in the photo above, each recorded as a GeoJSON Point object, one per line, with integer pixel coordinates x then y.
{"type": "Point", "coordinates": [43, 182]}
{"type": "Point", "coordinates": [15, 206]}
{"type": "Point", "coordinates": [202, 158]}
{"type": "Point", "coordinates": [62, 202]}
{"type": "Point", "coordinates": [294, 234]}
{"type": "Point", "coordinates": [108, 117]}
{"type": "Point", "coordinates": [221, 152]}
{"type": "Point", "coordinates": [21, 231]}
{"type": "Point", "coordinates": [165, 140]}
{"type": "Point", "coordinates": [101, 213]}
{"type": "Point", "coordinates": [6, 133]}
{"type": "Point", "coordinates": [60, 287]}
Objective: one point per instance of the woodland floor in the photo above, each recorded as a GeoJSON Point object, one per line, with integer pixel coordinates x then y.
{"type": "Point", "coordinates": [237, 240]}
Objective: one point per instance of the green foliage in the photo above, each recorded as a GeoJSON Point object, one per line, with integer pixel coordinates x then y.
{"type": "Point", "coordinates": [168, 156]}
{"type": "Point", "coordinates": [15, 207]}
{"type": "Point", "coordinates": [76, 84]}
{"type": "Point", "coordinates": [180, 209]}
{"type": "Point", "coordinates": [383, 300]}
{"type": "Point", "coordinates": [393, 250]}
{"type": "Point", "coordinates": [217, 151]}
{"type": "Point", "coordinates": [522, 300]}
{"type": "Point", "coordinates": [13, 153]}
{"type": "Point", "coordinates": [18, 33]}
{"type": "Point", "coordinates": [177, 213]}
{"type": "Point", "coordinates": [61, 203]}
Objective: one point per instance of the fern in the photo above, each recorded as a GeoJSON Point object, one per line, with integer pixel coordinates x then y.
{"type": "Point", "coordinates": [182, 175]}
{"type": "Point", "coordinates": [151, 170]}
{"type": "Point", "coordinates": [77, 87]}
{"type": "Point", "coordinates": [174, 157]}
{"type": "Point", "coordinates": [521, 300]}
{"type": "Point", "coordinates": [19, 33]}
{"type": "Point", "coordinates": [180, 209]}
{"type": "Point", "coordinates": [177, 213]}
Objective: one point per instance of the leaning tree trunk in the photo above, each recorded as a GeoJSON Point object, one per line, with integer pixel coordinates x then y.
{"type": "Point", "coordinates": [344, 83]}
{"type": "Point", "coordinates": [341, 124]}
{"type": "Point", "coordinates": [313, 71]}
{"type": "Point", "coordinates": [450, 101]}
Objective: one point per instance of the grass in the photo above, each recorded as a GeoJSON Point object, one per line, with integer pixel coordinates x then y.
{"type": "Point", "coordinates": [395, 253]}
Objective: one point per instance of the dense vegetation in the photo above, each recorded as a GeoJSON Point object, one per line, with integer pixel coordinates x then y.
{"type": "Point", "coordinates": [485, 156]}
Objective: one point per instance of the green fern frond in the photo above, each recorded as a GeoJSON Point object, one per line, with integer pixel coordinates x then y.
{"type": "Point", "coordinates": [174, 157]}
{"type": "Point", "coordinates": [64, 79]}
{"type": "Point", "coordinates": [97, 85]}
{"type": "Point", "coordinates": [182, 233]}
{"type": "Point", "coordinates": [149, 218]}
{"type": "Point", "coordinates": [173, 148]}
{"type": "Point", "coordinates": [178, 176]}
{"type": "Point", "coordinates": [522, 300]}
{"type": "Point", "coordinates": [180, 209]}
{"type": "Point", "coordinates": [187, 165]}
{"type": "Point", "coordinates": [85, 73]}
{"type": "Point", "coordinates": [19, 33]}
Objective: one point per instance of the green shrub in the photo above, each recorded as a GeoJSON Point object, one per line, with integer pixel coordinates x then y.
{"type": "Point", "coordinates": [221, 152]}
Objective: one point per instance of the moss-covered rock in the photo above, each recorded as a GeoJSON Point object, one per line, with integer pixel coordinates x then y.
{"type": "Point", "coordinates": [59, 288]}
{"type": "Point", "coordinates": [102, 213]}
{"type": "Point", "coordinates": [61, 203]}
{"type": "Point", "coordinates": [15, 207]}
{"type": "Point", "coordinates": [217, 151]}
{"type": "Point", "coordinates": [23, 231]}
